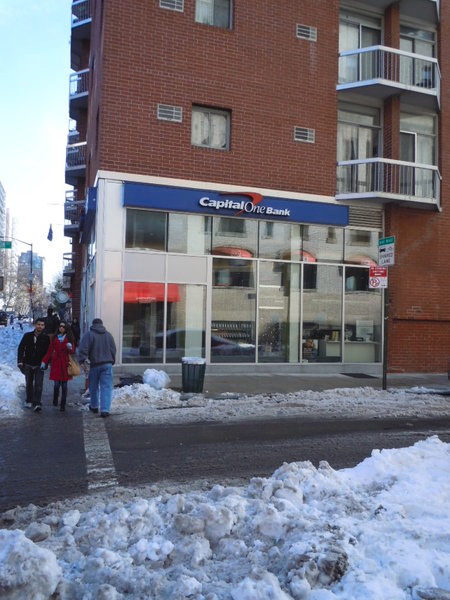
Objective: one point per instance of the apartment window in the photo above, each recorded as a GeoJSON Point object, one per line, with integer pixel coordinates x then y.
{"type": "Point", "coordinates": [359, 135]}
{"type": "Point", "coordinates": [213, 12]}
{"type": "Point", "coordinates": [356, 32]}
{"type": "Point", "coordinates": [418, 147]}
{"type": "Point", "coordinates": [414, 70]}
{"type": "Point", "coordinates": [210, 128]}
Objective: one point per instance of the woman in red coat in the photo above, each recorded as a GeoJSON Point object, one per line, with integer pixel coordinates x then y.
{"type": "Point", "coordinates": [58, 354]}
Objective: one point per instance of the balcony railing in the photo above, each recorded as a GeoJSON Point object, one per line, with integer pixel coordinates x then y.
{"type": "Point", "coordinates": [391, 67]}
{"type": "Point", "coordinates": [73, 211]}
{"type": "Point", "coordinates": [79, 83]}
{"type": "Point", "coordinates": [81, 11]}
{"type": "Point", "coordinates": [76, 156]}
{"type": "Point", "coordinates": [388, 180]}
{"type": "Point", "coordinates": [68, 266]}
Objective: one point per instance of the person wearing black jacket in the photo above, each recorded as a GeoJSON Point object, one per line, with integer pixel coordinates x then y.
{"type": "Point", "coordinates": [32, 349]}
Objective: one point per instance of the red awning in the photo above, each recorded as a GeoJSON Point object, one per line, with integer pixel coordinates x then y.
{"type": "Point", "coordinates": [232, 251]}
{"type": "Point", "coordinates": [145, 293]}
{"type": "Point", "coordinates": [360, 259]}
{"type": "Point", "coordinates": [302, 254]}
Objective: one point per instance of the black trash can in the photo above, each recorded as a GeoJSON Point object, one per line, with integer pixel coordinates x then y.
{"type": "Point", "coordinates": [192, 374]}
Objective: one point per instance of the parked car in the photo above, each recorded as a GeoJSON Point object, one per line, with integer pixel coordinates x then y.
{"type": "Point", "coordinates": [3, 318]}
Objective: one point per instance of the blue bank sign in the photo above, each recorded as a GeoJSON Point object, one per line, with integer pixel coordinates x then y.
{"type": "Point", "coordinates": [232, 204]}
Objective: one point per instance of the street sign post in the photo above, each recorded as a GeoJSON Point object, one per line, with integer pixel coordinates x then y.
{"type": "Point", "coordinates": [378, 278]}
{"type": "Point", "coordinates": [386, 251]}
{"type": "Point", "coordinates": [386, 258]}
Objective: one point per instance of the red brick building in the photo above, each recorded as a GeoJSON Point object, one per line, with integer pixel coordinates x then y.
{"type": "Point", "coordinates": [234, 166]}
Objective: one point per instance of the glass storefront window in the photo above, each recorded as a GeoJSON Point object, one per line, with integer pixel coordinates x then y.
{"type": "Point", "coordinates": [185, 335]}
{"type": "Point", "coordinates": [189, 234]}
{"type": "Point", "coordinates": [322, 315]}
{"type": "Point", "coordinates": [143, 321]}
{"type": "Point", "coordinates": [235, 237]}
{"type": "Point", "coordinates": [362, 331]}
{"type": "Point", "coordinates": [146, 230]}
{"type": "Point", "coordinates": [361, 247]}
{"type": "Point", "coordinates": [233, 307]}
{"type": "Point", "coordinates": [279, 312]}
{"type": "Point", "coordinates": [280, 241]}
{"type": "Point", "coordinates": [322, 243]}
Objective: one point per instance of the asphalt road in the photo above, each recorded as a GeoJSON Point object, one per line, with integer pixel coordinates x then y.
{"type": "Point", "coordinates": [53, 456]}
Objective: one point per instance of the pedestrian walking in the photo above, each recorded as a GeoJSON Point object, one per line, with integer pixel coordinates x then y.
{"type": "Point", "coordinates": [51, 323]}
{"type": "Point", "coordinates": [61, 346]}
{"type": "Point", "coordinates": [32, 348]}
{"type": "Point", "coordinates": [75, 327]}
{"type": "Point", "coordinates": [98, 347]}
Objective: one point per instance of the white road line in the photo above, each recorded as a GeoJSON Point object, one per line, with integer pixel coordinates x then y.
{"type": "Point", "coordinates": [99, 461]}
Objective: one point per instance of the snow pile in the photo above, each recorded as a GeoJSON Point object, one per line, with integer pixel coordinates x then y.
{"type": "Point", "coordinates": [378, 531]}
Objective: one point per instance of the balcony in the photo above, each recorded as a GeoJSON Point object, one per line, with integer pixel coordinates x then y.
{"type": "Point", "coordinates": [75, 162]}
{"type": "Point", "coordinates": [73, 212]}
{"type": "Point", "coordinates": [78, 92]}
{"type": "Point", "coordinates": [380, 71]}
{"type": "Point", "coordinates": [423, 10]}
{"type": "Point", "coordinates": [66, 283]}
{"type": "Point", "coordinates": [81, 29]}
{"type": "Point", "coordinates": [68, 264]}
{"type": "Point", "coordinates": [384, 180]}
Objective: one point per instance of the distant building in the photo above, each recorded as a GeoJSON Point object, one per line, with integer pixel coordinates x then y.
{"type": "Point", "coordinates": [24, 267]}
{"type": "Point", "coordinates": [234, 166]}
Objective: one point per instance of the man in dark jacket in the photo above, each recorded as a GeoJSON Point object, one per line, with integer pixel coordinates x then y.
{"type": "Point", "coordinates": [98, 347]}
{"type": "Point", "coordinates": [51, 322]}
{"type": "Point", "coordinates": [32, 349]}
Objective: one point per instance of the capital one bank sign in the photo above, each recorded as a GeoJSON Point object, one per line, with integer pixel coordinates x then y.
{"type": "Point", "coordinates": [253, 206]}
{"type": "Point", "coordinates": [232, 204]}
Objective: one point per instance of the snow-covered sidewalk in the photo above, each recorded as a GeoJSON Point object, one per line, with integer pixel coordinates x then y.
{"type": "Point", "coordinates": [378, 531]}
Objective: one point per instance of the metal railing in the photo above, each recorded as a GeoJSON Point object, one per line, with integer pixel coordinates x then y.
{"type": "Point", "coordinates": [81, 11]}
{"type": "Point", "coordinates": [73, 209]}
{"type": "Point", "coordinates": [395, 66]}
{"type": "Point", "coordinates": [76, 155]}
{"type": "Point", "coordinates": [68, 266]}
{"type": "Point", "coordinates": [394, 179]}
{"type": "Point", "coordinates": [79, 83]}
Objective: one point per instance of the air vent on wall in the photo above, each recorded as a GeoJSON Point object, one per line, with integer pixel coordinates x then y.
{"type": "Point", "coordinates": [305, 32]}
{"type": "Point", "coordinates": [303, 134]}
{"type": "Point", "coordinates": [172, 4]}
{"type": "Point", "coordinates": [365, 217]}
{"type": "Point", "coordinates": [170, 113]}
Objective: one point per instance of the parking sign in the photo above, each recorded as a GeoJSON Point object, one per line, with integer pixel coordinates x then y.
{"type": "Point", "coordinates": [386, 251]}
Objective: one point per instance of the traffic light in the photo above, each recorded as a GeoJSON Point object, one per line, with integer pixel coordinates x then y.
{"type": "Point", "coordinates": [2, 281]}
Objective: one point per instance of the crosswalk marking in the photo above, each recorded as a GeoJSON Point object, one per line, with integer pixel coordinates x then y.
{"type": "Point", "coordinates": [99, 461]}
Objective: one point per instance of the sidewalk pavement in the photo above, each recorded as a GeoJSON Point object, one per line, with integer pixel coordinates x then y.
{"type": "Point", "coordinates": [270, 383]}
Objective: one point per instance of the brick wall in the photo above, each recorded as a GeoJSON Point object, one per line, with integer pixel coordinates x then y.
{"type": "Point", "coordinates": [269, 80]}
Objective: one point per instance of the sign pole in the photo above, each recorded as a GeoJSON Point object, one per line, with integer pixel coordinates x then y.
{"type": "Point", "coordinates": [386, 257]}
{"type": "Point", "coordinates": [385, 338]}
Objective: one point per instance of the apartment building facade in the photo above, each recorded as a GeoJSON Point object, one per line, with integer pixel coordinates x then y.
{"type": "Point", "coordinates": [234, 166]}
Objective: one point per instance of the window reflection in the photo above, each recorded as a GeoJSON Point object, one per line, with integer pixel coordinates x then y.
{"type": "Point", "coordinates": [146, 230]}
{"type": "Point", "coordinates": [322, 309]}
{"type": "Point", "coordinates": [362, 330]}
{"type": "Point", "coordinates": [143, 338]}
{"type": "Point", "coordinates": [233, 311]}
{"type": "Point", "coordinates": [189, 234]}
{"type": "Point", "coordinates": [279, 310]}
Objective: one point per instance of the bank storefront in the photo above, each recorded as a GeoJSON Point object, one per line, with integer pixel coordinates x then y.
{"type": "Point", "coordinates": [234, 277]}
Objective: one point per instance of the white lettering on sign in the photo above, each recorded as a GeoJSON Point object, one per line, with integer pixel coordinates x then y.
{"type": "Point", "coordinates": [243, 206]}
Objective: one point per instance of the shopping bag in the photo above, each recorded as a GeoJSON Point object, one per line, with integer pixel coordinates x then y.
{"type": "Point", "coordinates": [73, 368]}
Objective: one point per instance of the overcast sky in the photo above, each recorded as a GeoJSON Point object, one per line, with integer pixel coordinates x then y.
{"type": "Point", "coordinates": [34, 121]}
